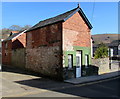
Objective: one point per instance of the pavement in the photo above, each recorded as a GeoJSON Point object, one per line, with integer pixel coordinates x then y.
{"type": "Point", "coordinates": [114, 71]}
{"type": "Point", "coordinates": [93, 78]}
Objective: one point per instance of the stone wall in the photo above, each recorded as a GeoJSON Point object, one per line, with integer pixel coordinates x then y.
{"type": "Point", "coordinates": [18, 58]}
{"type": "Point", "coordinates": [45, 60]}
{"type": "Point", "coordinates": [102, 64]}
{"type": "Point", "coordinates": [43, 50]}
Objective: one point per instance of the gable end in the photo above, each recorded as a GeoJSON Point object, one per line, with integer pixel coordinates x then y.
{"type": "Point", "coordinates": [82, 15]}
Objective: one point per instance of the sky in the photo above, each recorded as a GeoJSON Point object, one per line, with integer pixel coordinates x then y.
{"type": "Point", "coordinates": [102, 15]}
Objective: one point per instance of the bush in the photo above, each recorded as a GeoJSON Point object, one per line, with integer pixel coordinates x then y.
{"type": "Point", "coordinates": [102, 51]}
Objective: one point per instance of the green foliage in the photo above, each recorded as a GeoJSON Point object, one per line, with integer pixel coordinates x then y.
{"type": "Point", "coordinates": [102, 51]}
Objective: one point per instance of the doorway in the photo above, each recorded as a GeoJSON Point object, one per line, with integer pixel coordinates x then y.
{"type": "Point", "coordinates": [78, 63]}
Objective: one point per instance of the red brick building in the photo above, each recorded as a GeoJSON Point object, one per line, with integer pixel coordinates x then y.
{"type": "Point", "coordinates": [12, 43]}
{"type": "Point", "coordinates": [60, 47]}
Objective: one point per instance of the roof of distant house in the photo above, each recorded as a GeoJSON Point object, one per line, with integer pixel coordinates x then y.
{"type": "Point", "coordinates": [14, 31]}
{"type": "Point", "coordinates": [62, 17]}
{"type": "Point", "coordinates": [114, 43]}
{"type": "Point", "coordinates": [13, 36]}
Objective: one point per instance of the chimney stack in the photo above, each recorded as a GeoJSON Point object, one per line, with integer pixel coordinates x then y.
{"type": "Point", "coordinates": [13, 32]}
{"type": "Point", "coordinates": [78, 5]}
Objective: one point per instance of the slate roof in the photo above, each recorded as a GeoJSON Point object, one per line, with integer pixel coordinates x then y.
{"type": "Point", "coordinates": [11, 37]}
{"type": "Point", "coordinates": [115, 43]}
{"type": "Point", "coordinates": [112, 44]}
{"type": "Point", "coordinates": [62, 17]}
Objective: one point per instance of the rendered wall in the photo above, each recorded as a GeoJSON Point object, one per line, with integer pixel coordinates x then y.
{"type": "Point", "coordinates": [18, 58]}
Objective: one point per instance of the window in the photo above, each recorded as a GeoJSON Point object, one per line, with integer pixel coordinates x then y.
{"type": "Point", "coordinates": [111, 52]}
{"type": "Point", "coordinates": [70, 61]}
{"type": "Point", "coordinates": [86, 60]}
{"type": "Point", "coordinates": [79, 58]}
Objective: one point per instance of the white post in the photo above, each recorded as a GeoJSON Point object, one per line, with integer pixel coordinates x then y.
{"type": "Point", "coordinates": [91, 48]}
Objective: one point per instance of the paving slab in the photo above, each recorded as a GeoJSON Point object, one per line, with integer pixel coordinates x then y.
{"type": "Point", "coordinates": [92, 78]}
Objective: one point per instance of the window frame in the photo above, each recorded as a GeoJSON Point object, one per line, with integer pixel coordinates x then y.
{"type": "Point", "coordinates": [86, 65]}
{"type": "Point", "coordinates": [70, 67]}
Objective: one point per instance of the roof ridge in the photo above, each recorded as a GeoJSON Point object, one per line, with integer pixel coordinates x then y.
{"type": "Point", "coordinates": [60, 14]}
{"type": "Point", "coordinates": [61, 18]}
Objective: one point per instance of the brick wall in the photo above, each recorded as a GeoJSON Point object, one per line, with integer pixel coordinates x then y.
{"type": "Point", "coordinates": [76, 33]}
{"type": "Point", "coordinates": [6, 52]}
{"type": "Point", "coordinates": [76, 36]}
{"type": "Point", "coordinates": [46, 36]}
{"type": "Point", "coordinates": [8, 46]}
{"type": "Point", "coordinates": [43, 50]}
{"type": "Point", "coordinates": [19, 42]}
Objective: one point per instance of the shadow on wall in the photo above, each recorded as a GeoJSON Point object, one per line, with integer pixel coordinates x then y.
{"type": "Point", "coordinates": [86, 71]}
{"type": "Point", "coordinates": [17, 44]}
{"type": "Point", "coordinates": [90, 70]}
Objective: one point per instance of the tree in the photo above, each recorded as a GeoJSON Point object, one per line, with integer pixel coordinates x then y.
{"type": "Point", "coordinates": [15, 28]}
{"type": "Point", "coordinates": [6, 31]}
{"type": "Point", "coordinates": [26, 27]}
{"type": "Point", "coordinates": [19, 28]}
{"type": "Point", "coordinates": [102, 51]}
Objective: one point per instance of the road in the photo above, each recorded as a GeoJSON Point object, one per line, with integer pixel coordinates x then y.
{"type": "Point", "coordinates": [16, 83]}
{"type": "Point", "coordinates": [108, 88]}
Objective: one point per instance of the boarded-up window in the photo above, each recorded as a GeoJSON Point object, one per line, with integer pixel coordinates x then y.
{"type": "Point", "coordinates": [51, 35]}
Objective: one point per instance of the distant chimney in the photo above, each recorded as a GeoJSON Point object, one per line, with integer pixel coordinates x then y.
{"type": "Point", "coordinates": [13, 32]}
{"type": "Point", "coordinates": [78, 5]}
